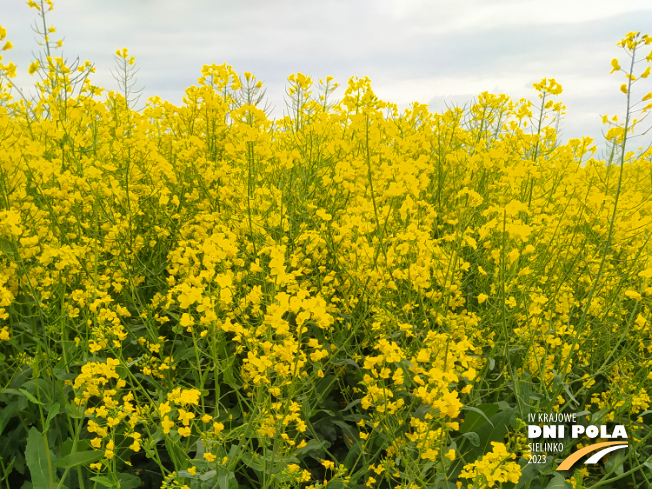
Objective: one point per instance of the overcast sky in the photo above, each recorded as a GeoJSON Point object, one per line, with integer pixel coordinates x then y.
{"type": "Point", "coordinates": [433, 52]}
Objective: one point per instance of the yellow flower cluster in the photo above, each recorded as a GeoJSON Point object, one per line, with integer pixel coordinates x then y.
{"type": "Point", "coordinates": [495, 468]}
{"type": "Point", "coordinates": [327, 298]}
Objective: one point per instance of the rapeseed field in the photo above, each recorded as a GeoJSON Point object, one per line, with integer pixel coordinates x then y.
{"type": "Point", "coordinates": [200, 297]}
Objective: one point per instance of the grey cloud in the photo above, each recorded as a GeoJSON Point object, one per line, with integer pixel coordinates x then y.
{"type": "Point", "coordinates": [426, 51]}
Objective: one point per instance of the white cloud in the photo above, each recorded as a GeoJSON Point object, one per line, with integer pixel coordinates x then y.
{"type": "Point", "coordinates": [413, 50]}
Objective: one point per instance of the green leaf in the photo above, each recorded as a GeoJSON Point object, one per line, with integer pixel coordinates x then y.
{"type": "Point", "coordinates": [79, 458]}
{"type": "Point", "coordinates": [5, 415]}
{"type": "Point", "coordinates": [347, 361]}
{"type": "Point", "coordinates": [128, 481]}
{"type": "Point", "coordinates": [558, 482]}
{"type": "Point", "coordinates": [205, 477]}
{"type": "Point", "coordinates": [252, 461]}
{"type": "Point", "coordinates": [528, 475]}
{"type": "Point", "coordinates": [30, 396]}
{"type": "Point", "coordinates": [66, 447]}
{"type": "Point", "coordinates": [52, 412]}
{"type": "Point", "coordinates": [473, 437]}
{"type": "Point", "coordinates": [615, 462]}
{"type": "Point", "coordinates": [105, 481]}
{"type": "Point", "coordinates": [570, 395]}
{"type": "Point", "coordinates": [76, 412]}
{"type": "Point", "coordinates": [478, 416]}
{"type": "Point", "coordinates": [352, 404]}
{"type": "Point", "coordinates": [226, 480]}
{"type": "Point", "coordinates": [176, 453]}
{"type": "Point", "coordinates": [487, 432]}
{"type": "Point", "coordinates": [36, 455]}
{"type": "Point", "coordinates": [10, 391]}
{"type": "Point", "coordinates": [313, 445]}
{"type": "Point", "coordinates": [352, 455]}
{"type": "Point", "coordinates": [350, 435]}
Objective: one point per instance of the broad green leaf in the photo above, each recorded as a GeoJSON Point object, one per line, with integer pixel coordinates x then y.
{"type": "Point", "coordinates": [473, 437]}
{"type": "Point", "coordinates": [36, 456]}
{"type": "Point", "coordinates": [128, 481]}
{"type": "Point", "coordinates": [478, 416]}
{"type": "Point", "coordinates": [351, 436]}
{"type": "Point", "coordinates": [347, 361]}
{"type": "Point", "coordinates": [252, 462]}
{"type": "Point", "coordinates": [226, 480]}
{"type": "Point", "coordinates": [313, 445]}
{"type": "Point", "coordinates": [79, 458]}
{"type": "Point", "coordinates": [528, 474]}
{"type": "Point", "coordinates": [30, 396]}
{"type": "Point", "coordinates": [490, 432]}
{"type": "Point", "coordinates": [558, 482]}
{"type": "Point", "coordinates": [105, 481]}
{"type": "Point", "coordinates": [352, 404]}
{"type": "Point", "coordinates": [11, 391]}
{"type": "Point", "coordinates": [208, 475]}
{"type": "Point", "coordinates": [5, 415]}
{"type": "Point", "coordinates": [615, 462]}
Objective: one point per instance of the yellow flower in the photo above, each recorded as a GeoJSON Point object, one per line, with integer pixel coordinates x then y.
{"type": "Point", "coordinates": [7, 46]}
{"type": "Point", "coordinates": [185, 431]}
{"type": "Point", "coordinates": [430, 454]}
{"type": "Point", "coordinates": [209, 456]}
{"type": "Point", "coordinates": [164, 408]}
{"type": "Point", "coordinates": [615, 66]}
{"type": "Point", "coordinates": [494, 467]}
{"type": "Point", "coordinates": [186, 320]}
{"type": "Point", "coordinates": [33, 67]}
{"type": "Point", "coordinates": [482, 298]}
{"type": "Point", "coordinates": [190, 396]}
{"type": "Point", "coordinates": [185, 416]}
{"type": "Point", "coordinates": [167, 425]}
{"type": "Point", "coordinates": [108, 453]}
